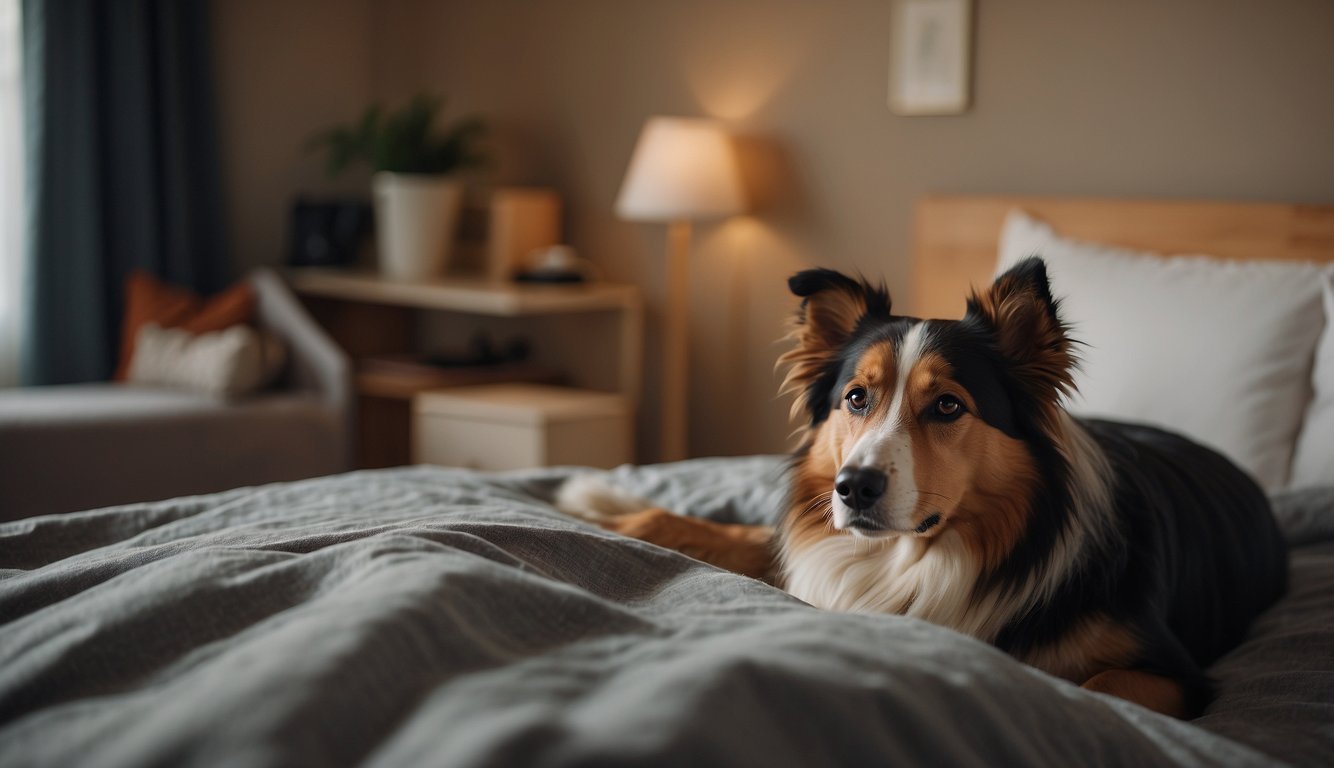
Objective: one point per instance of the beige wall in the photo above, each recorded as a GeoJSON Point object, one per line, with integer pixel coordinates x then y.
{"type": "Point", "coordinates": [285, 69]}
{"type": "Point", "coordinates": [1188, 98]}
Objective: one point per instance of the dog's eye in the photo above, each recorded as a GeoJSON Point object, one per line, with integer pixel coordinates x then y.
{"type": "Point", "coordinates": [948, 407]}
{"type": "Point", "coordinates": [857, 400]}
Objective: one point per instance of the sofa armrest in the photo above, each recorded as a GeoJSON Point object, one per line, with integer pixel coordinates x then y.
{"type": "Point", "coordinates": [316, 365]}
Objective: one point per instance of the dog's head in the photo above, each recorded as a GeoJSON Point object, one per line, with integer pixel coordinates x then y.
{"type": "Point", "coordinates": [915, 426]}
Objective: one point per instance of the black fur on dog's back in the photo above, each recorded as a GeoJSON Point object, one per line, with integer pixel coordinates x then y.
{"type": "Point", "coordinates": [1195, 555]}
{"type": "Point", "coordinates": [1224, 559]}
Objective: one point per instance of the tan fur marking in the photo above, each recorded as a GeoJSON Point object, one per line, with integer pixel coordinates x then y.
{"type": "Point", "coordinates": [1154, 692]}
{"type": "Point", "coordinates": [744, 549]}
{"type": "Point", "coordinates": [1094, 645]}
{"type": "Point", "coordinates": [808, 519]}
{"type": "Point", "coordinates": [993, 510]}
{"type": "Point", "coordinates": [975, 476]}
{"type": "Point", "coordinates": [876, 371]}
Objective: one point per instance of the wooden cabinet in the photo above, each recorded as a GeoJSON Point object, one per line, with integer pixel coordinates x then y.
{"type": "Point", "coordinates": [587, 335]}
{"type": "Point", "coordinates": [515, 426]}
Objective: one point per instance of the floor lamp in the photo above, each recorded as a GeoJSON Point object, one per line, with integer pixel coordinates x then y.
{"type": "Point", "coordinates": [682, 171]}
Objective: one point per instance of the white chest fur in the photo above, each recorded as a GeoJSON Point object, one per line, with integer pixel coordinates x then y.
{"type": "Point", "coordinates": [929, 579]}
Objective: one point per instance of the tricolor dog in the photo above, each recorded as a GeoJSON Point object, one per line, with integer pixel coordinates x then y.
{"type": "Point", "coordinates": [939, 476]}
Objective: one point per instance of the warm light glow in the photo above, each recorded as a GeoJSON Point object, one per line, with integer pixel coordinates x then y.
{"type": "Point", "coordinates": [749, 241]}
{"type": "Point", "coordinates": [681, 169]}
{"type": "Point", "coordinates": [742, 60]}
{"type": "Point", "coordinates": [742, 235]}
{"type": "Point", "coordinates": [736, 95]}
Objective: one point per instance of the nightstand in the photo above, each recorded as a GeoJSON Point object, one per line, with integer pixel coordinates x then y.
{"type": "Point", "coordinates": [515, 426]}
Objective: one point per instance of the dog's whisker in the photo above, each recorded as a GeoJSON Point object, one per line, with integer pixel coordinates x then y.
{"type": "Point", "coordinates": [933, 493]}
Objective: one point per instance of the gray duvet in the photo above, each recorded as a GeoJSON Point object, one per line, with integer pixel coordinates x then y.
{"type": "Point", "coordinates": [434, 617]}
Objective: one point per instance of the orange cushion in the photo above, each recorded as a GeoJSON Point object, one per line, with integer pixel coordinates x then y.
{"type": "Point", "coordinates": [149, 300]}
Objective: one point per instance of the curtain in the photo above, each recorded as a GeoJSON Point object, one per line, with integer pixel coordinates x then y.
{"type": "Point", "coordinates": [11, 192]}
{"type": "Point", "coordinates": [122, 172]}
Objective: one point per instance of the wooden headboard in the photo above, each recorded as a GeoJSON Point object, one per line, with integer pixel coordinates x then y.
{"type": "Point", "coordinates": [955, 238]}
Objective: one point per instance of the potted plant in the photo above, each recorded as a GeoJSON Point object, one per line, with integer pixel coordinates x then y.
{"type": "Point", "coordinates": [417, 196]}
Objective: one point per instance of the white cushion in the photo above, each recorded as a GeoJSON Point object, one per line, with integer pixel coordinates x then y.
{"type": "Point", "coordinates": [231, 362]}
{"type": "Point", "coordinates": [1313, 463]}
{"type": "Point", "coordinates": [1220, 351]}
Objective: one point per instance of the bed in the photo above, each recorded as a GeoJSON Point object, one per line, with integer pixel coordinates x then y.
{"type": "Point", "coordinates": [429, 616]}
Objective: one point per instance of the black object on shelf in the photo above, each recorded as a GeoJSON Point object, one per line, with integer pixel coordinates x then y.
{"type": "Point", "coordinates": [327, 233]}
{"type": "Point", "coordinates": [549, 277]}
{"type": "Point", "coordinates": [482, 352]}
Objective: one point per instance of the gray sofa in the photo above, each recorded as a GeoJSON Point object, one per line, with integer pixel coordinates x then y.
{"type": "Point", "coordinates": [83, 446]}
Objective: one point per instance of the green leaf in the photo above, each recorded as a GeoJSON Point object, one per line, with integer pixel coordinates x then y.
{"type": "Point", "coordinates": [404, 141]}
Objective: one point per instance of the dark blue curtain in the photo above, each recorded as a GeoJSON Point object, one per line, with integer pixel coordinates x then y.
{"type": "Point", "coordinates": [123, 170]}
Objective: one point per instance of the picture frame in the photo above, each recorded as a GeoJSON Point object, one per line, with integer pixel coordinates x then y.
{"type": "Point", "coordinates": [930, 57]}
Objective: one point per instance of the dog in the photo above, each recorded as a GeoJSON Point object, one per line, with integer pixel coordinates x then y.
{"type": "Point", "coordinates": [939, 476]}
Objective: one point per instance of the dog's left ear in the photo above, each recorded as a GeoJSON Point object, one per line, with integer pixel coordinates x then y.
{"type": "Point", "coordinates": [1026, 322]}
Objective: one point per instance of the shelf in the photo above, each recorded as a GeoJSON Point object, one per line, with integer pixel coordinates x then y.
{"type": "Point", "coordinates": [471, 295]}
{"type": "Point", "coordinates": [400, 378]}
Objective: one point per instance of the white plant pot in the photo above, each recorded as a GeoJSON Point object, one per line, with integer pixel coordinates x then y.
{"type": "Point", "coordinates": [416, 217]}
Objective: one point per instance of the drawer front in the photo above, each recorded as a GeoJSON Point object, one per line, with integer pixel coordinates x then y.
{"type": "Point", "coordinates": [452, 441]}
{"type": "Point", "coordinates": [455, 442]}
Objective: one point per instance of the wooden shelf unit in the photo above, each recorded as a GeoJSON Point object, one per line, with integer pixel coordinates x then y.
{"type": "Point", "coordinates": [374, 317]}
{"type": "Point", "coordinates": [472, 295]}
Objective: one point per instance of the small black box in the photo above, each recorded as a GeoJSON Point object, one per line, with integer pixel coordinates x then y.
{"type": "Point", "coordinates": [327, 233]}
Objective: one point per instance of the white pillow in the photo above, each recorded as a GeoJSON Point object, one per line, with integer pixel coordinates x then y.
{"type": "Point", "coordinates": [1313, 463]}
{"type": "Point", "coordinates": [231, 362]}
{"type": "Point", "coordinates": [1220, 351]}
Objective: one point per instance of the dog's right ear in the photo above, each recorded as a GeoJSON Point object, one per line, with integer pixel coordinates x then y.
{"type": "Point", "coordinates": [833, 306]}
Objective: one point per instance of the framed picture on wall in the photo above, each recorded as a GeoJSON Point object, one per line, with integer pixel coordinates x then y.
{"type": "Point", "coordinates": [930, 57]}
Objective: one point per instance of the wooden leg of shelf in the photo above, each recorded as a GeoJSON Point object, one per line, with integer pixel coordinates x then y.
{"type": "Point", "coordinates": [384, 432]}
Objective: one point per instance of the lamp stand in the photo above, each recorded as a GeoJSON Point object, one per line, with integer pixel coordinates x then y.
{"type": "Point", "coordinates": [676, 345]}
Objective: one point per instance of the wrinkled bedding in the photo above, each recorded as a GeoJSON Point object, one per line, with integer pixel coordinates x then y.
{"type": "Point", "coordinates": [427, 616]}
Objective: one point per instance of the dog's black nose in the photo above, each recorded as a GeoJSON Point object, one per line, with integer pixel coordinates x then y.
{"type": "Point", "coordinates": [859, 487]}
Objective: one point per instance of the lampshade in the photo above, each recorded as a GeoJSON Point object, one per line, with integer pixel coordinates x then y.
{"type": "Point", "coordinates": [681, 169]}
